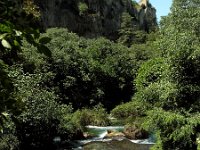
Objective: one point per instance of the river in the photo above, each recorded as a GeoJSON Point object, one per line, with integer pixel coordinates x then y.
{"type": "Point", "coordinates": [97, 141]}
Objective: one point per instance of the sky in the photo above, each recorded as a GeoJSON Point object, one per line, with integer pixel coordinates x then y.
{"type": "Point", "coordinates": [162, 7]}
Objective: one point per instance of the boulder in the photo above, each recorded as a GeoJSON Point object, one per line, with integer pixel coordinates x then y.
{"type": "Point", "coordinates": [88, 135]}
{"type": "Point", "coordinates": [134, 133]}
{"type": "Point", "coordinates": [113, 134]}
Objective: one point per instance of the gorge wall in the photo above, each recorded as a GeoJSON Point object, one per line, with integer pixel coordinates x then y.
{"type": "Point", "coordinates": [92, 18]}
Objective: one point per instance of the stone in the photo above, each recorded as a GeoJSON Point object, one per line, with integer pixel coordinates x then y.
{"type": "Point", "coordinates": [113, 134]}
{"type": "Point", "coordinates": [88, 135]}
{"type": "Point", "coordinates": [134, 133]}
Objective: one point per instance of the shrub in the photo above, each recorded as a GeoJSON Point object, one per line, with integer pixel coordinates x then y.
{"type": "Point", "coordinates": [83, 7]}
{"type": "Point", "coordinates": [89, 71]}
{"type": "Point", "coordinates": [8, 138]}
{"type": "Point", "coordinates": [43, 116]}
{"type": "Point", "coordinates": [8, 142]}
{"type": "Point", "coordinates": [130, 109]}
{"type": "Point", "coordinates": [96, 116]}
{"type": "Point", "coordinates": [150, 72]}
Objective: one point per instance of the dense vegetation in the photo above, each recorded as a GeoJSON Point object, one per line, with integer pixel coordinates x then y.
{"type": "Point", "coordinates": [55, 83]}
{"type": "Point", "coordinates": [168, 86]}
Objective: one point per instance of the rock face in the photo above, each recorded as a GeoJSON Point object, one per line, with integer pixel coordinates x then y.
{"type": "Point", "coordinates": [132, 132]}
{"type": "Point", "coordinates": [147, 16]}
{"type": "Point", "coordinates": [92, 18]}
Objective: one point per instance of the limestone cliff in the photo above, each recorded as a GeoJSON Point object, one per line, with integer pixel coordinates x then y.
{"type": "Point", "coordinates": [93, 18]}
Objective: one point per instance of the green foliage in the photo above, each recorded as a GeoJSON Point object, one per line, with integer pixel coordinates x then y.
{"type": "Point", "coordinates": [178, 129]}
{"type": "Point", "coordinates": [40, 94]}
{"type": "Point", "coordinates": [96, 116]}
{"type": "Point", "coordinates": [131, 109]}
{"type": "Point", "coordinates": [150, 72]}
{"type": "Point", "coordinates": [168, 86]}
{"type": "Point", "coordinates": [129, 31]}
{"type": "Point", "coordinates": [183, 53]}
{"type": "Point", "coordinates": [31, 8]}
{"type": "Point", "coordinates": [8, 138]}
{"type": "Point", "coordinates": [126, 31]}
{"type": "Point", "coordinates": [148, 49]}
{"type": "Point", "coordinates": [81, 73]}
{"type": "Point", "coordinates": [86, 72]}
{"type": "Point", "coordinates": [43, 117]}
{"type": "Point", "coordinates": [82, 7]}
{"type": "Point", "coordinates": [15, 25]}
{"type": "Point", "coordinates": [6, 86]}
{"type": "Point", "coordinates": [171, 85]}
{"type": "Point", "coordinates": [8, 141]}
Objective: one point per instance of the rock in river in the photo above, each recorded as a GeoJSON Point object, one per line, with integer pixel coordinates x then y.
{"type": "Point", "coordinates": [113, 134]}
{"type": "Point", "coordinates": [134, 133]}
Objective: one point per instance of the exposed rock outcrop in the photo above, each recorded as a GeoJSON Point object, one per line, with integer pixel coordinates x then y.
{"type": "Point", "coordinates": [147, 16]}
{"type": "Point", "coordinates": [113, 134]}
{"type": "Point", "coordinates": [92, 18]}
{"type": "Point", "coordinates": [134, 133]}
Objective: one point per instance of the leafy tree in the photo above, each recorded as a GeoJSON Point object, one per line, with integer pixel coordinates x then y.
{"type": "Point", "coordinates": [15, 25]}
{"type": "Point", "coordinates": [172, 90]}
{"type": "Point", "coordinates": [83, 8]}
{"type": "Point", "coordinates": [129, 111]}
{"type": "Point", "coordinates": [88, 71]}
{"type": "Point", "coordinates": [148, 49]}
{"type": "Point", "coordinates": [31, 8]}
{"type": "Point", "coordinates": [43, 117]}
{"type": "Point", "coordinates": [96, 116]}
{"type": "Point", "coordinates": [129, 32]}
{"type": "Point", "coordinates": [8, 138]}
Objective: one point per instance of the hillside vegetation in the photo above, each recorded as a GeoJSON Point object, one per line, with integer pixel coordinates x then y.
{"type": "Point", "coordinates": [54, 82]}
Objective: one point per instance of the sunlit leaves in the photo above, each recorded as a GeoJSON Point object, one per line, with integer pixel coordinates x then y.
{"type": "Point", "coordinates": [18, 33]}
{"type": "Point", "coordinates": [6, 44]}
{"type": "Point", "coordinates": [2, 36]}
{"type": "Point", "coordinates": [171, 86]}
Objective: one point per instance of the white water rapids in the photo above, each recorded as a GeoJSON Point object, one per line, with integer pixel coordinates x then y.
{"type": "Point", "coordinates": [102, 131]}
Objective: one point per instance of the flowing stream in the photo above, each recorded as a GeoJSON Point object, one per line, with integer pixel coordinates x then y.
{"type": "Point", "coordinates": [98, 134]}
